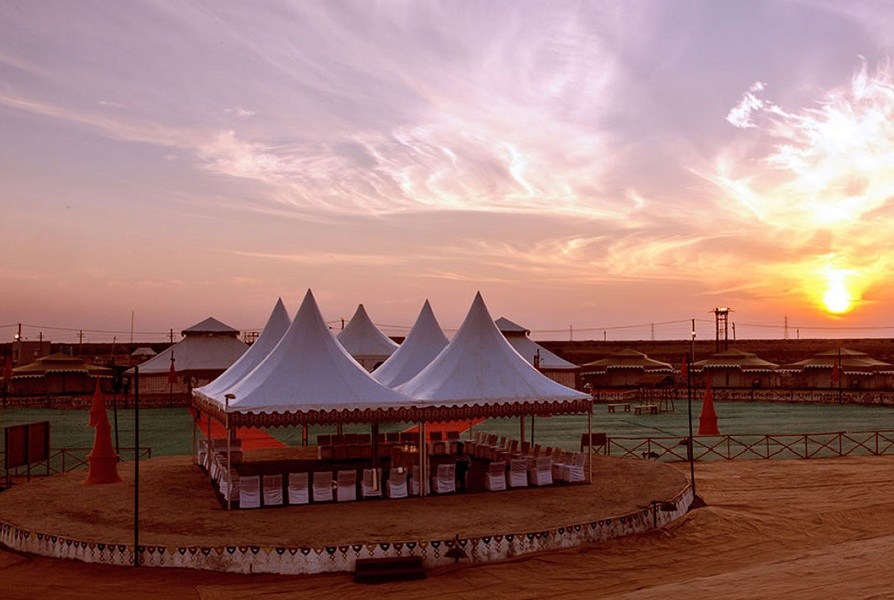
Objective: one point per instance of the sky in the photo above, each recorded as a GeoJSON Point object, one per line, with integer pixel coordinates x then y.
{"type": "Point", "coordinates": [598, 170]}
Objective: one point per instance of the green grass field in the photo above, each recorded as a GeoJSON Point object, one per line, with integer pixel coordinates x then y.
{"type": "Point", "coordinates": [169, 430]}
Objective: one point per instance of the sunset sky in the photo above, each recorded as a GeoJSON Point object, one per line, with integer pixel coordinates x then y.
{"type": "Point", "coordinates": [586, 164]}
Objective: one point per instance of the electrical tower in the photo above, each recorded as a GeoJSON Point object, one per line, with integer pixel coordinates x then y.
{"type": "Point", "coordinates": [721, 328]}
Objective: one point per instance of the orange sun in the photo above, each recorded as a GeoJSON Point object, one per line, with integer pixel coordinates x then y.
{"type": "Point", "coordinates": [837, 299]}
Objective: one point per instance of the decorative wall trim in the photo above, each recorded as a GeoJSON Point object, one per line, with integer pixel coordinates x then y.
{"type": "Point", "coordinates": [341, 558]}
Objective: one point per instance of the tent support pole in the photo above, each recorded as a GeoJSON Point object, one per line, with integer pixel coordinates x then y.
{"type": "Point", "coordinates": [590, 443]}
{"type": "Point", "coordinates": [532, 433]}
{"type": "Point", "coordinates": [423, 467]}
{"type": "Point", "coordinates": [521, 430]}
{"type": "Point", "coordinates": [229, 443]}
{"type": "Point", "coordinates": [195, 454]}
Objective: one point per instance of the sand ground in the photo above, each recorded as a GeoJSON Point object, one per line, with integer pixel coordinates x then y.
{"type": "Point", "coordinates": [819, 528]}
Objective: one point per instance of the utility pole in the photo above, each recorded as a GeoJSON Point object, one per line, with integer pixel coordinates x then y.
{"type": "Point", "coordinates": [653, 332]}
{"type": "Point", "coordinates": [785, 329]}
{"type": "Point", "coordinates": [172, 336]}
{"type": "Point", "coordinates": [570, 333]}
{"type": "Point", "coordinates": [19, 346]}
{"type": "Point", "coordinates": [80, 342]}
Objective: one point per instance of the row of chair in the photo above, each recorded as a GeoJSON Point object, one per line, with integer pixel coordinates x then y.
{"type": "Point", "coordinates": [527, 464]}
{"type": "Point", "coordinates": [254, 491]}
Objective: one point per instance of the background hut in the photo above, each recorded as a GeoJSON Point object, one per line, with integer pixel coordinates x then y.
{"type": "Point", "coordinates": [857, 370]}
{"type": "Point", "coordinates": [58, 375]}
{"type": "Point", "coordinates": [737, 369]}
{"type": "Point", "coordinates": [625, 368]}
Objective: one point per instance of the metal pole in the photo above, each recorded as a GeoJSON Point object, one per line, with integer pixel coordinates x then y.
{"type": "Point", "coordinates": [689, 404]}
{"type": "Point", "coordinates": [422, 457]}
{"type": "Point", "coordinates": [227, 398]}
{"type": "Point", "coordinates": [136, 467]}
{"type": "Point", "coordinates": [590, 443]}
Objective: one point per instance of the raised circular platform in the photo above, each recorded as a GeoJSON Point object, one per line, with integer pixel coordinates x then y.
{"type": "Point", "coordinates": [183, 525]}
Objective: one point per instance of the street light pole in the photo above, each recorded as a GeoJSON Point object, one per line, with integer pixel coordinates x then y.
{"type": "Point", "coordinates": [689, 398]}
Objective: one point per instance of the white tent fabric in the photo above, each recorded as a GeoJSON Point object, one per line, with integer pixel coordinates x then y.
{"type": "Point", "coordinates": [517, 336]}
{"type": "Point", "coordinates": [308, 370]}
{"type": "Point", "coordinates": [363, 340]}
{"type": "Point", "coordinates": [198, 351]}
{"type": "Point", "coordinates": [276, 326]}
{"type": "Point", "coordinates": [424, 342]}
{"type": "Point", "coordinates": [479, 367]}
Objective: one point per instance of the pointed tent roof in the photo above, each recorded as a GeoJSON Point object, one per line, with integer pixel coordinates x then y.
{"type": "Point", "coordinates": [210, 326]}
{"type": "Point", "coordinates": [517, 336]}
{"type": "Point", "coordinates": [480, 374]}
{"type": "Point", "coordinates": [424, 342]}
{"type": "Point", "coordinates": [277, 324]}
{"type": "Point", "coordinates": [213, 351]}
{"type": "Point", "coordinates": [627, 359]}
{"type": "Point", "coordinates": [852, 361]}
{"type": "Point", "coordinates": [508, 327]}
{"type": "Point", "coordinates": [308, 378]}
{"type": "Point", "coordinates": [361, 338]}
{"type": "Point", "coordinates": [734, 359]}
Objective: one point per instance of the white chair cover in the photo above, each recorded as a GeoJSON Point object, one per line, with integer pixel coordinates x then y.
{"type": "Point", "coordinates": [495, 478]}
{"type": "Point", "coordinates": [273, 490]}
{"type": "Point", "coordinates": [518, 472]}
{"type": "Point", "coordinates": [397, 483]}
{"type": "Point", "coordinates": [371, 487]}
{"type": "Point", "coordinates": [298, 488]}
{"type": "Point", "coordinates": [250, 492]}
{"type": "Point", "coordinates": [347, 486]}
{"type": "Point", "coordinates": [542, 472]}
{"type": "Point", "coordinates": [323, 486]}
{"type": "Point", "coordinates": [444, 482]}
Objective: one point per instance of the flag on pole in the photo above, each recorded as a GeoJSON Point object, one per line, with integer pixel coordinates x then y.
{"type": "Point", "coordinates": [836, 372]}
{"type": "Point", "coordinates": [684, 368]}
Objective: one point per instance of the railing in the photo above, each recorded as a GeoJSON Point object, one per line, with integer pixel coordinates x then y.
{"type": "Point", "coordinates": [749, 446]}
{"type": "Point", "coordinates": [62, 460]}
{"type": "Point", "coordinates": [817, 396]}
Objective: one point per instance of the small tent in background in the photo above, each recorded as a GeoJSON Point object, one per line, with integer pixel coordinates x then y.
{"type": "Point", "coordinates": [625, 368]}
{"type": "Point", "coordinates": [735, 368]}
{"type": "Point", "coordinates": [58, 375]}
{"type": "Point", "coordinates": [207, 350]}
{"type": "Point", "coordinates": [424, 342]}
{"type": "Point", "coordinates": [548, 363]}
{"type": "Point", "coordinates": [858, 370]}
{"type": "Point", "coordinates": [363, 340]}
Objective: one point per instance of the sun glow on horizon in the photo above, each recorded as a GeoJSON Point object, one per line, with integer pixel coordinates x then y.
{"type": "Point", "coordinates": [837, 299]}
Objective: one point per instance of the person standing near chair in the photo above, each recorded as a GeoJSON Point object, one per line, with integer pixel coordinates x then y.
{"type": "Point", "coordinates": [463, 462]}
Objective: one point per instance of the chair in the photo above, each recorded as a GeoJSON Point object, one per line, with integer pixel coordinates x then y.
{"type": "Point", "coordinates": [397, 484]}
{"type": "Point", "coordinates": [444, 482]}
{"type": "Point", "coordinates": [272, 490]}
{"type": "Point", "coordinates": [322, 486]}
{"type": "Point", "coordinates": [542, 472]}
{"type": "Point", "coordinates": [229, 485]}
{"type": "Point", "coordinates": [438, 448]}
{"type": "Point", "coordinates": [415, 478]}
{"type": "Point", "coordinates": [346, 490]}
{"type": "Point", "coordinates": [298, 488]}
{"type": "Point", "coordinates": [495, 478]}
{"type": "Point", "coordinates": [202, 452]}
{"type": "Point", "coordinates": [250, 492]}
{"type": "Point", "coordinates": [518, 472]}
{"type": "Point", "coordinates": [573, 471]}
{"type": "Point", "coordinates": [560, 460]}
{"type": "Point", "coordinates": [435, 436]}
{"type": "Point", "coordinates": [371, 484]}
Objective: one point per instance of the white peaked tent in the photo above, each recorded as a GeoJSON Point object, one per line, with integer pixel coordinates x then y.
{"type": "Point", "coordinates": [276, 326]}
{"type": "Point", "coordinates": [363, 340]}
{"type": "Point", "coordinates": [548, 363]}
{"type": "Point", "coordinates": [424, 342]}
{"type": "Point", "coordinates": [480, 375]}
{"type": "Point", "coordinates": [308, 378]}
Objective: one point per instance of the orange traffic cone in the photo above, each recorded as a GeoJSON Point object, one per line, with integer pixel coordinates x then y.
{"type": "Point", "coordinates": [103, 459]}
{"type": "Point", "coordinates": [707, 420]}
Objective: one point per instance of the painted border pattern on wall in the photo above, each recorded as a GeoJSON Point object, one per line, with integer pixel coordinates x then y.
{"type": "Point", "coordinates": [328, 559]}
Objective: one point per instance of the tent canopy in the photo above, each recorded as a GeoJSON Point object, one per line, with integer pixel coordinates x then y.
{"type": "Point", "coordinates": [627, 359]}
{"type": "Point", "coordinates": [424, 342]}
{"type": "Point", "coordinates": [277, 324]}
{"type": "Point", "coordinates": [200, 350]}
{"type": "Point", "coordinates": [362, 339]}
{"type": "Point", "coordinates": [734, 359]}
{"type": "Point", "coordinates": [851, 361]}
{"type": "Point", "coordinates": [307, 378]}
{"type": "Point", "coordinates": [480, 374]}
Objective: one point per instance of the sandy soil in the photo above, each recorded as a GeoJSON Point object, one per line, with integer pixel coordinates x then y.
{"type": "Point", "coordinates": [793, 529]}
